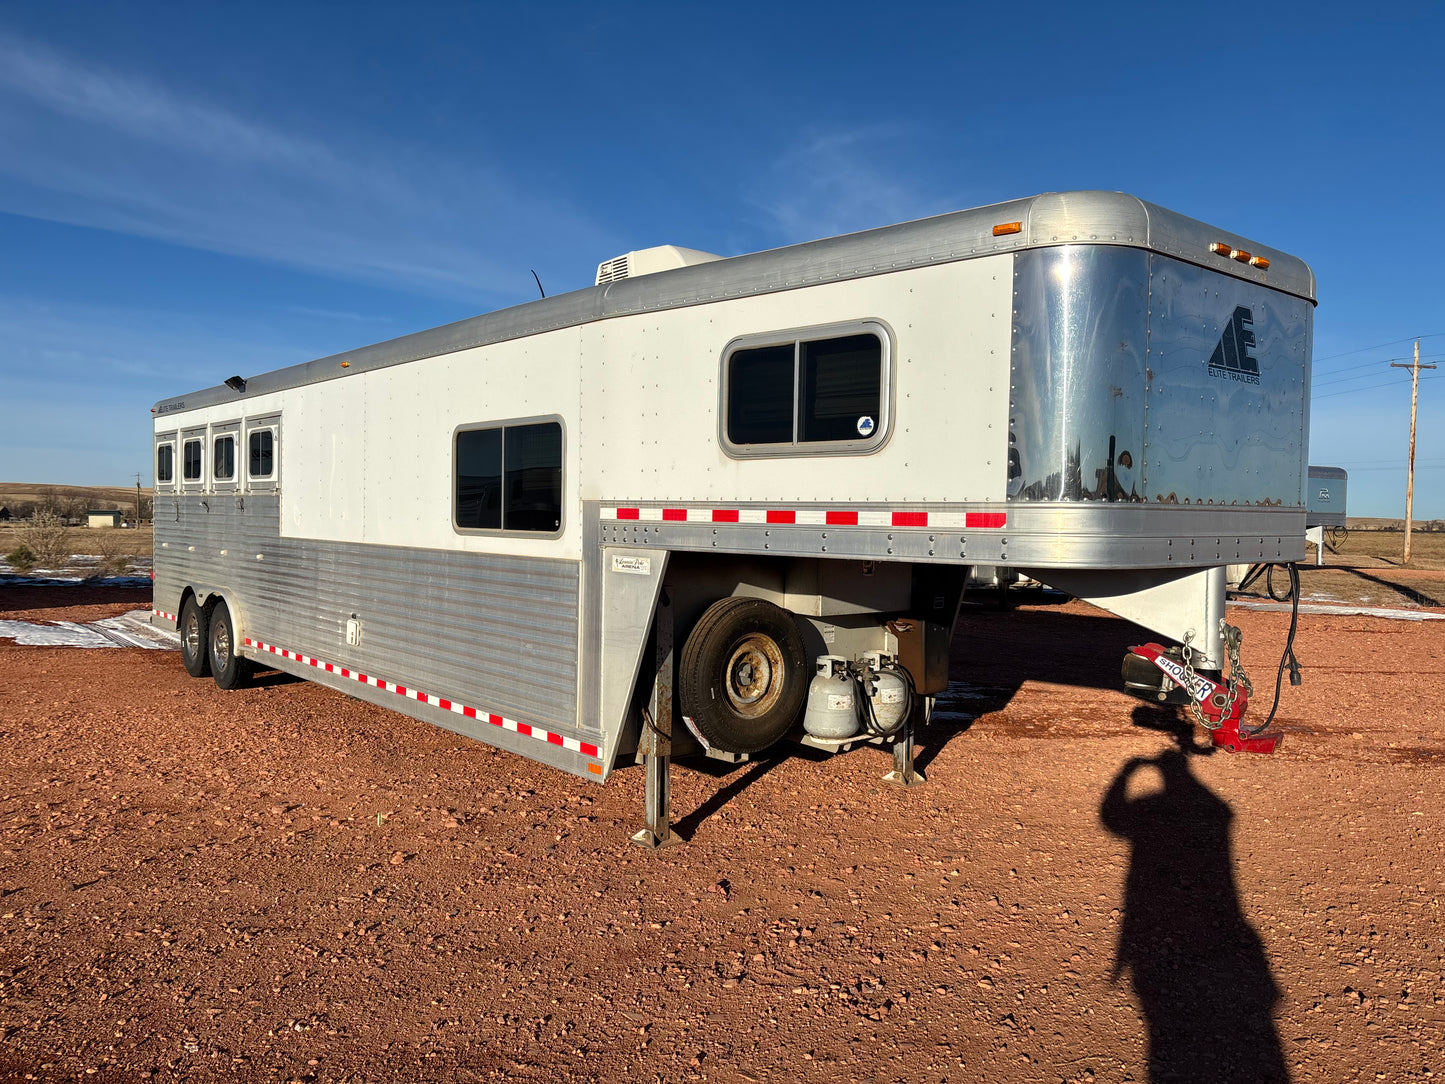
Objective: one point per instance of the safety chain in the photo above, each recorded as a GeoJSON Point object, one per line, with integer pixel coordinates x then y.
{"type": "Point", "coordinates": [1233, 639]}
{"type": "Point", "coordinates": [1199, 716]}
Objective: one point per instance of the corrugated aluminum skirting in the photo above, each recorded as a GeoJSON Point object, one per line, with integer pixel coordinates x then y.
{"type": "Point", "coordinates": [499, 632]}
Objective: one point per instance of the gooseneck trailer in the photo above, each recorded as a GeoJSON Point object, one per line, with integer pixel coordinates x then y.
{"type": "Point", "coordinates": [783, 463]}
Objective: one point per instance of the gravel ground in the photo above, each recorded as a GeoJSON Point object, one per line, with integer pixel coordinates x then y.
{"type": "Point", "coordinates": [283, 883]}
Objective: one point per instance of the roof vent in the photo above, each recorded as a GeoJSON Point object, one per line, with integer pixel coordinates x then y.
{"type": "Point", "coordinates": [649, 261]}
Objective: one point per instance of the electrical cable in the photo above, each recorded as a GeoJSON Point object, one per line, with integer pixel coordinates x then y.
{"type": "Point", "coordinates": [1288, 658]}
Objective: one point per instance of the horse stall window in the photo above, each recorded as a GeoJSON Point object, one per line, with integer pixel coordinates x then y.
{"type": "Point", "coordinates": [263, 445]}
{"type": "Point", "coordinates": [223, 459]}
{"type": "Point", "coordinates": [809, 395]}
{"type": "Point", "coordinates": [165, 464]}
{"type": "Point", "coordinates": [509, 478]}
{"type": "Point", "coordinates": [191, 461]}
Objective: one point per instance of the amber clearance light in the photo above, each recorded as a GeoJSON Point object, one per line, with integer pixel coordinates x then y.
{"type": "Point", "coordinates": [1005, 228]}
{"type": "Point", "coordinates": [1259, 262]}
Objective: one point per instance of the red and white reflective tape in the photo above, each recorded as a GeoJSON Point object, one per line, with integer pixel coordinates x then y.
{"type": "Point", "coordinates": [168, 617]}
{"type": "Point", "coordinates": [811, 517]}
{"type": "Point", "coordinates": [525, 729]}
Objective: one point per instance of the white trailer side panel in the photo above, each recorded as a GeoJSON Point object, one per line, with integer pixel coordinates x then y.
{"type": "Point", "coordinates": [374, 462]}
{"type": "Point", "coordinates": [650, 394]}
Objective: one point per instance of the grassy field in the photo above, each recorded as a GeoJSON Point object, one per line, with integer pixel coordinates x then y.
{"type": "Point", "coordinates": [123, 497]}
{"type": "Point", "coordinates": [1386, 549]}
{"type": "Point", "coordinates": [131, 541]}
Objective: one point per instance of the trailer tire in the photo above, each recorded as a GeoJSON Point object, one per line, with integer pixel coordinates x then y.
{"type": "Point", "coordinates": [744, 674]}
{"type": "Point", "coordinates": [195, 648]}
{"type": "Point", "coordinates": [228, 668]}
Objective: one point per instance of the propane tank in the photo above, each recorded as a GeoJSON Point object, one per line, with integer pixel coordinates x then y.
{"type": "Point", "coordinates": [887, 692]}
{"type": "Point", "coordinates": [831, 708]}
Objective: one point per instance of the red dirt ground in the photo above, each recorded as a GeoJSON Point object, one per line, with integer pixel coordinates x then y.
{"type": "Point", "coordinates": [282, 883]}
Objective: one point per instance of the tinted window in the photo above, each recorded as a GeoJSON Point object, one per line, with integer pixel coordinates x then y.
{"type": "Point", "coordinates": [509, 478]}
{"type": "Point", "coordinates": [262, 452]}
{"type": "Point", "coordinates": [841, 388]}
{"type": "Point", "coordinates": [223, 462]}
{"type": "Point", "coordinates": [810, 391]}
{"type": "Point", "coordinates": [533, 468]}
{"type": "Point", "coordinates": [760, 395]}
{"type": "Point", "coordinates": [191, 466]}
{"type": "Point", "coordinates": [479, 479]}
{"type": "Point", "coordinates": [165, 463]}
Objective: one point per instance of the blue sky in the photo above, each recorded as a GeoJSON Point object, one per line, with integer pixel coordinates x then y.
{"type": "Point", "coordinates": [193, 190]}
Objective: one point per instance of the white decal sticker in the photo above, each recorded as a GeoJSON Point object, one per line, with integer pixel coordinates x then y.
{"type": "Point", "coordinates": [890, 696]}
{"type": "Point", "coordinates": [1202, 686]}
{"type": "Point", "coordinates": [865, 426]}
{"type": "Point", "coordinates": [829, 634]}
{"type": "Point", "coordinates": [633, 566]}
{"type": "Point", "coordinates": [839, 703]}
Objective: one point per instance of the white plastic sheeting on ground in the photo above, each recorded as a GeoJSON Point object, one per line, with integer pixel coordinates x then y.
{"type": "Point", "coordinates": [131, 630]}
{"type": "Point", "coordinates": [1343, 610]}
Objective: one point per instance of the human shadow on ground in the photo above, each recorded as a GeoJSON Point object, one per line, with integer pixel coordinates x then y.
{"type": "Point", "coordinates": [1196, 964]}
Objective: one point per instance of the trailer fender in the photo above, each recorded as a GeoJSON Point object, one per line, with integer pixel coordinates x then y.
{"type": "Point", "coordinates": [207, 595]}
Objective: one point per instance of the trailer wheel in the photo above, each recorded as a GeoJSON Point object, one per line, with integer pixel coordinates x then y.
{"type": "Point", "coordinates": [228, 668]}
{"type": "Point", "coordinates": [195, 655]}
{"type": "Point", "coordinates": [744, 674]}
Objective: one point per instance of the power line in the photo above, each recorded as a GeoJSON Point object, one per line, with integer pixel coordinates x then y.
{"type": "Point", "coordinates": [1370, 365]}
{"type": "Point", "coordinates": [1377, 346]}
{"type": "Point", "coordinates": [1368, 387]}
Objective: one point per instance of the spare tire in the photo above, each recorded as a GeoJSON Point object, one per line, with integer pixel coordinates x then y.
{"type": "Point", "coordinates": [744, 674]}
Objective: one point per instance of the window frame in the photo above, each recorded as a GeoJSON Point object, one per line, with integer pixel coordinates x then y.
{"type": "Point", "coordinates": [503, 425]}
{"type": "Point", "coordinates": [201, 481]}
{"type": "Point", "coordinates": [167, 440]}
{"type": "Point", "coordinates": [261, 483]}
{"type": "Point", "coordinates": [796, 337]}
{"type": "Point", "coordinates": [225, 431]}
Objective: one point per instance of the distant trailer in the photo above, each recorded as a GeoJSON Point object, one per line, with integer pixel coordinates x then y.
{"type": "Point", "coordinates": [103, 518]}
{"type": "Point", "coordinates": [783, 463]}
{"type": "Point", "coordinates": [1326, 497]}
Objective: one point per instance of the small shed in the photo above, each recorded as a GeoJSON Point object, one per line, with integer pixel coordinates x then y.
{"type": "Point", "coordinates": [102, 517]}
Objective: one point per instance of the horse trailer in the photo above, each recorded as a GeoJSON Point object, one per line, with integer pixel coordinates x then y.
{"type": "Point", "coordinates": [783, 463]}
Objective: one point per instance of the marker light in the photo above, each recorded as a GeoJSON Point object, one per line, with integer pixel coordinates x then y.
{"type": "Point", "coordinates": [1259, 262]}
{"type": "Point", "coordinates": [346, 365]}
{"type": "Point", "coordinates": [1004, 228]}
{"type": "Point", "coordinates": [1240, 255]}
{"type": "Point", "coordinates": [1219, 248]}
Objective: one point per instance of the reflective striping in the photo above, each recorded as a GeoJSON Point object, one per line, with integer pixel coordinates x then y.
{"type": "Point", "coordinates": [986, 519]}
{"type": "Point", "coordinates": [812, 517]}
{"type": "Point", "coordinates": [168, 617]}
{"type": "Point", "coordinates": [525, 729]}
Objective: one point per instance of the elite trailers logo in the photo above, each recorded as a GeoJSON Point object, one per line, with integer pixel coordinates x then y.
{"type": "Point", "coordinates": [1234, 358]}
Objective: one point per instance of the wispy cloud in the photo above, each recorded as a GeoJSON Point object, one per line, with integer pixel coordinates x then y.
{"type": "Point", "coordinates": [98, 146]}
{"type": "Point", "coordinates": [836, 182]}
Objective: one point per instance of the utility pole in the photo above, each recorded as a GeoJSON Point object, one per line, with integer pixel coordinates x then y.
{"type": "Point", "coordinates": [138, 509]}
{"type": "Point", "coordinates": [1410, 476]}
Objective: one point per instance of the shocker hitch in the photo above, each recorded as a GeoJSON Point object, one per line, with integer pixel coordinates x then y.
{"type": "Point", "coordinates": [1217, 705]}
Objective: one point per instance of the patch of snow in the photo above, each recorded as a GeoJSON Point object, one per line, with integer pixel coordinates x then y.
{"type": "Point", "coordinates": [124, 631]}
{"type": "Point", "coordinates": [47, 578]}
{"type": "Point", "coordinates": [1343, 611]}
